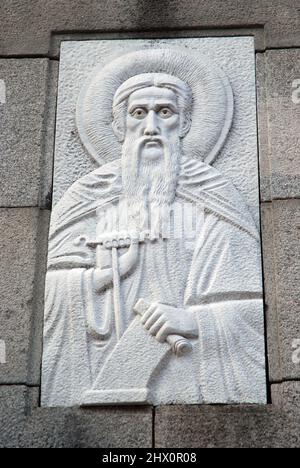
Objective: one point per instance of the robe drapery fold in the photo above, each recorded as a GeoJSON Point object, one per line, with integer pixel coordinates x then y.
{"type": "Point", "coordinates": [216, 275]}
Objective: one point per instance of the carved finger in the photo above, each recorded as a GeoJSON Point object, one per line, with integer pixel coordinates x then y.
{"type": "Point", "coordinates": [129, 259]}
{"type": "Point", "coordinates": [157, 326]}
{"type": "Point", "coordinates": [152, 319]}
{"type": "Point", "coordinates": [163, 333]}
{"type": "Point", "coordinates": [148, 313]}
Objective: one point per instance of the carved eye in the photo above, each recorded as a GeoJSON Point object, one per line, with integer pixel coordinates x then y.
{"type": "Point", "coordinates": [139, 113]}
{"type": "Point", "coordinates": [165, 113]}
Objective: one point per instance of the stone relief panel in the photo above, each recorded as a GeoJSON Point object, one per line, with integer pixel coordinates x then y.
{"type": "Point", "coordinates": [154, 289]}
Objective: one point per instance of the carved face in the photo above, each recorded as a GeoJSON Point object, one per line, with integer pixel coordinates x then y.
{"type": "Point", "coordinates": [152, 113]}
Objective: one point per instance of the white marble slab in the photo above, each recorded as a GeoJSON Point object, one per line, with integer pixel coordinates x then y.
{"type": "Point", "coordinates": [163, 305]}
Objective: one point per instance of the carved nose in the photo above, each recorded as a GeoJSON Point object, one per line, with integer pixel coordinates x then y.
{"type": "Point", "coordinates": [151, 124]}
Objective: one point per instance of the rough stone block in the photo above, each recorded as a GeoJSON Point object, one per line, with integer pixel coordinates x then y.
{"type": "Point", "coordinates": [27, 110]}
{"type": "Point", "coordinates": [228, 427]}
{"type": "Point", "coordinates": [280, 231]}
{"type": "Point", "coordinates": [279, 122]}
{"type": "Point", "coordinates": [15, 402]}
{"type": "Point", "coordinates": [21, 251]}
{"type": "Point", "coordinates": [116, 15]}
{"type": "Point", "coordinates": [282, 23]}
{"type": "Point", "coordinates": [74, 428]}
{"type": "Point", "coordinates": [286, 235]}
{"type": "Point", "coordinates": [287, 396]}
{"type": "Point", "coordinates": [17, 398]}
{"type": "Point", "coordinates": [106, 428]}
{"type": "Point", "coordinates": [269, 274]}
{"type": "Point", "coordinates": [280, 18]}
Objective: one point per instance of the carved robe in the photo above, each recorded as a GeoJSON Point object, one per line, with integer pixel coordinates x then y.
{"type": "Point", "coordinates": [211, 275]}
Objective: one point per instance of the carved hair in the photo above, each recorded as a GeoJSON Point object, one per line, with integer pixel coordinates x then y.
{"type": "Point", "coordinates": [146, 80]}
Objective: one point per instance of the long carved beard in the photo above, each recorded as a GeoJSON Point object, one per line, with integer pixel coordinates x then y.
{"type": "Point", "coordinates": [149, 186]}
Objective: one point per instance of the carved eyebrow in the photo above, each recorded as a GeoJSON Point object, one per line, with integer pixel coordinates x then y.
{"type": "Point", "coordinates": [133, 106]}
{"type": "Point", "coordinates": [159, 105]}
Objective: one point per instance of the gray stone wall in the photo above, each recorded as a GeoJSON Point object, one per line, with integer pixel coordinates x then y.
{"type": "Point", "coordinates": [30, 35]}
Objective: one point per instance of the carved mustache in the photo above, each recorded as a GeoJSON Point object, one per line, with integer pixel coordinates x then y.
{"type": "Point", "coordinates": [151, 139]}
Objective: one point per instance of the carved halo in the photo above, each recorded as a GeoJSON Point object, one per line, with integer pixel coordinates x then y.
{"type": "Point", "coordinates": [212, 102]}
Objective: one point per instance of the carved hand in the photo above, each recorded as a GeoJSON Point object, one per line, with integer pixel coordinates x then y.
{"type": "Point", "coordinates": [104, 277]}
{"type": "Point", "coordinates": [162, 320]}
